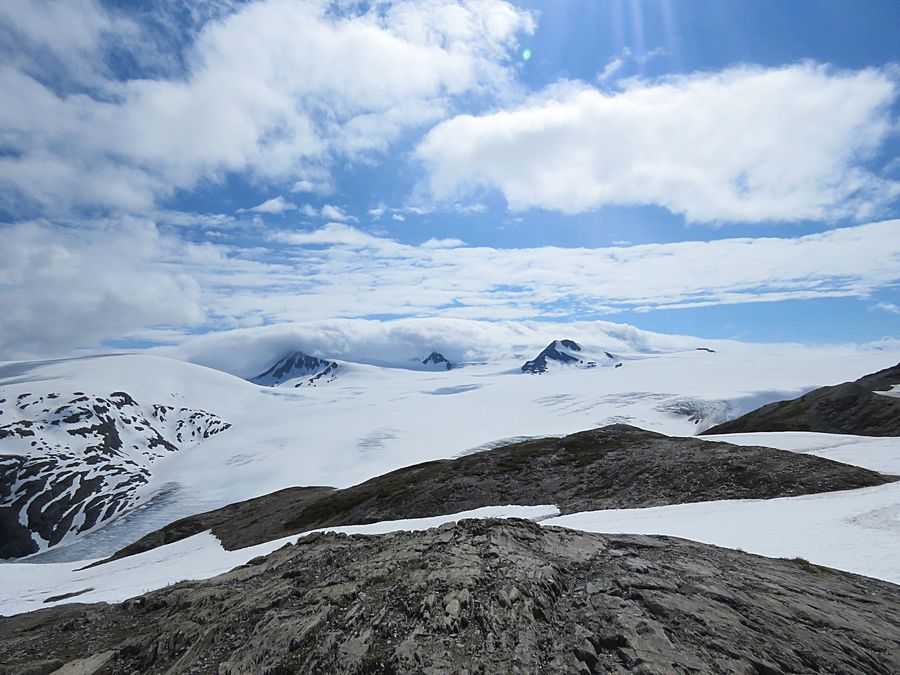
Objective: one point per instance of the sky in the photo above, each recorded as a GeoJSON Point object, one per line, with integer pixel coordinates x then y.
{"type": "Point", "coordinates": [713, 168]}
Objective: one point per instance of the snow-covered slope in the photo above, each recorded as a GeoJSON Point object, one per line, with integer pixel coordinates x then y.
{"type": "Point", "coordinates": [372, 420]}
{"type": "Point", "coordinates": [71, 461]}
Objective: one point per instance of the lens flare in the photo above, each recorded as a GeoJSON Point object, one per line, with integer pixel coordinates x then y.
{"type": "Point", "coordinates": [526, 54]}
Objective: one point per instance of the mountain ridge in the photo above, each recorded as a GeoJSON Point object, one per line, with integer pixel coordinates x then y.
{"type": "Point", "coordinates": [858, 407]}
{"type": "Point", "coordinates": [612, 467]}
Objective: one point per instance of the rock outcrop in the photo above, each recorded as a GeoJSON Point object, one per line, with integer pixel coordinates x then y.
{"type": "Point", "coordinates": [482, 596]}
{"type": "Point", "coordinates": [300, 369]}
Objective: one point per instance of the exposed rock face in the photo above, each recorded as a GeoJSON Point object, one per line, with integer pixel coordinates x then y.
{"type": "Point", "coordinates": [484, 596]}
{"type": "Point", "coordinates": [849, 408]}
{"type": "Point", "coordinates": [310, 370]}
{"type": "Point", "coordinates": [567, 352]}
{"type": "Point", "coordinates": [68, 463]}
{"type": "Point", "coordinates": [558, 350]}
{"type": "Point", "coordinates": [436, 359]}
{"type": "Point", "coordinates": [614, 467]}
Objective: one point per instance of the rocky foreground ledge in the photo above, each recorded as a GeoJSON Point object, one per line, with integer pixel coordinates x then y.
{"type": "Point", "coordinates": [481, 596]}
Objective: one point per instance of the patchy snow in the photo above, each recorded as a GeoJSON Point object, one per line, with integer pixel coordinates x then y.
{"type": "Point", "coordinates": [854, 530]}
{"type": "Point", "coordinates": [877, 453]}
{"type": "Point", "coordinates": [893, 392]}
{"type": "Point", "coordinates": [25, 587]}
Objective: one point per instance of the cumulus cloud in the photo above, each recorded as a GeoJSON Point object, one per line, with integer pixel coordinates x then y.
{"type": "Point", "coordinates": [63, 289]}
{"type": "Point", "coordinates": [275, 89]}
{"type": "Point", "coordinates": [747, 144]}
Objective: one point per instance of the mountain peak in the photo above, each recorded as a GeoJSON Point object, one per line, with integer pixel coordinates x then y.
{"type": "Point", "coordinates": [566, 352]}
{"type": "Point", "coordinates": [292, 366]}
{"type": "Point", "coordinates": [437, 359]}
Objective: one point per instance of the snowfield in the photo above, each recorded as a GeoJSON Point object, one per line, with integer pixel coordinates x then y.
{"type": "Point", "coordinates": [374, 419]}
{"type": "Point", "coordinates": [870, 452]}
{"type": "Point", "coordinates": [855, 530]}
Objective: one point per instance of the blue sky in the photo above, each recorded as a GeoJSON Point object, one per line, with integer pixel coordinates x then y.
{"type": "Point", "coordinates": [189, 168]}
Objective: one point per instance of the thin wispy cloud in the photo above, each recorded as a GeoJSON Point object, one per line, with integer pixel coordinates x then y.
{"type": "Point", "coordinates": [341, 271]}
{"type": "Point", "coordinates": [888, 307]}
{"type": "Point", "coordinates": [275, 205]}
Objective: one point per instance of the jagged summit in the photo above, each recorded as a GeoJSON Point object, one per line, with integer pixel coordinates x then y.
{"type": "Point", "coordinates": [438, 361]}
{"type": "Point", "coordinates": [295, 366]}
{"type": "Point", "coordinates": [567, 352]}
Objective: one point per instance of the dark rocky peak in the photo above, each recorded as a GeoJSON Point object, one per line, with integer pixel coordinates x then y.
{"type": "Point", "coordinates": [558, 350]}
{"type": "Point", "coordinates": [296, 364]}
{"type": "Point", "coordinates": [437, 359]}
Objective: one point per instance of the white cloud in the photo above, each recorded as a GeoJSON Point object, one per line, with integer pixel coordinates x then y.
{"type": "Point", "coordinates": [276, 89]}
{"type": "Point", "coordinates": [443, 243]}
{"type": "Point", "coordinates": [746, 144]}
{"type": "Point", "coordinates": [889, 307]}
{"type": "Point", "coordinates": [337, 234]}
{"type": "Point", "coordinates": [613, 66]}
{"type": "Point", "coordinates": [246, 352]}
{"type": "Point", "coordinates": [64, 289]}
{"type": "Point", "coordinates": [328, 212]}
{"type": "Point", "coordinates": [63, 39]}
{"type": "Point", "coordinates": [452, 279]}
{"type": "Point", "coordinates": [67, 288]}
{"type": "Point", "coordinates": [275, 205]}
{"type": "Point", "coordinates": [331, 212]}
{"type": "Point", "coordinates": [317, 181]}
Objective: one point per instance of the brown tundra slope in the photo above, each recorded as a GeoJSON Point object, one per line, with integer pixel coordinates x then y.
{"type": "Point", "coordinates": [848, 408]}
{"type": "Point", "coordinates": [613, 467]}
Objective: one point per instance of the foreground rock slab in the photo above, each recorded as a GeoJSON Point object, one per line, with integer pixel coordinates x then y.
{"type": "Point", "coordinates": [483, 596]}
